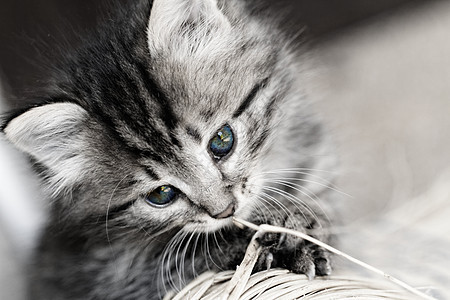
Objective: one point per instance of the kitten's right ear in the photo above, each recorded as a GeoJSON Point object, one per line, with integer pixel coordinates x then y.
{"type": "Point", "coordinates": [185, 23]}
{"type": "Point", "coordinates": [50, 133]}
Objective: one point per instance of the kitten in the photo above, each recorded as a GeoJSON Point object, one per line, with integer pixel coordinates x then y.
{"type": "Point", "coordinates": [167, 123]}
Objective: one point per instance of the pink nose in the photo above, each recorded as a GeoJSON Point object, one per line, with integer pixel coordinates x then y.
{"type": "Point", "coordinates": [229, 211]}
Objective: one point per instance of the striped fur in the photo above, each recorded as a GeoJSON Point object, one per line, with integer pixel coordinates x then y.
{"type": "Point", "coordinates": [135, 109]}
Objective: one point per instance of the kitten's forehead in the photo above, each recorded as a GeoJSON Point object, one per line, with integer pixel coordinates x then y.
{"type": "Point", "coordinates": [201, 58]}
{"type": "Point", "coordinates": [180, 83]}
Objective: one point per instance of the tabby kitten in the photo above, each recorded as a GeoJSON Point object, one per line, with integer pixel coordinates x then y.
{"type": "Point", "coordinates": [177, 116]}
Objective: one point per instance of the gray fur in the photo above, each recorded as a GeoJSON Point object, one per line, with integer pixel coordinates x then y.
{"type": "Point", "coordinates": [135, 109]}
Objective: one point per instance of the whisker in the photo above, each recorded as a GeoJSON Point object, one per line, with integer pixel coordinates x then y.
{"type": "Point", "coordinates": [276, 201]}
{"type": "Point", "coordinates": [204, 253]}
{"type": "Point", "coordinates": [178, 267]}
{"type": "Point", "coordinates": [183, 256]}
{"type": "Point", "coordinates": [293, 202]}
{"type": "Point", "coordinates": [306, 192]}
{"type": "Point", "coordinates": [155, 235]}
{"type": "Point", "coordinates": [106, 221]}
{"type": "Point", "coordinates": [217, 243]}
{"type": "Point", "coordinates": [265, 208]}
{"type": "Point", "coordinates": [299, 170]}
{"type": "Point", "coordinates": [193, 254]}
{"type": "Point", "coordinates": [293, 199]}
{"type": "Point", "coordinates": [209, 252]}
{"type": "Point", "coordinates": [325, 184]}
{"type": "Point", "coordinates": [165, 261]}
{"type": "Point", "coordinates": [163, 265]}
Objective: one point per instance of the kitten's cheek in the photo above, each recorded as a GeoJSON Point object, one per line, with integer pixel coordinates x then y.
{"type": "Point", "coordinates": [245, 206]}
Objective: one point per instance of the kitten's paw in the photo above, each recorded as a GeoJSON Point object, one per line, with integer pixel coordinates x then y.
{"type": "Point", "coordinates": [268, 258]}
{"type": "Point", "coordinates": [265, 261]}
{"type": "Point", "coordinates": [303, 263]}
{"type": "Point", "coordinates": [311, 260]}
{"type": "Point", "coordinates": [291, 252]}
{"type": "Point", "coordinates": [322, 261]}
{"type": "Point", "coordinates": [308, 259]}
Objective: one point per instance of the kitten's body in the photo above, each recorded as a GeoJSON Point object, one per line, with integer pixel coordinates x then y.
{"type": "Point", "coordinates": [135, 110]}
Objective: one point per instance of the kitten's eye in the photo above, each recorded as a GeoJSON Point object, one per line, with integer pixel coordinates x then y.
{"type": "Point", "coordinates": [222, 143]}
{"type": "Point", "coordinates": [161, 196]}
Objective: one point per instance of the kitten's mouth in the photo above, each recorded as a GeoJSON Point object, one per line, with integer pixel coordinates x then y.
{"type": "Point", "coordinates": [209, 225]}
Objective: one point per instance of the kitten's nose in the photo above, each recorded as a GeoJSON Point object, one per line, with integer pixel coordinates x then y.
{"type": "Point", "coordinates": [229, 211]}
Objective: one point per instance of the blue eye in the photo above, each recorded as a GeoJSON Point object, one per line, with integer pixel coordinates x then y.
{"type": "Point", "coordinates": [222, 142]}
{"type": "Point", "coordinates": [161, 196]}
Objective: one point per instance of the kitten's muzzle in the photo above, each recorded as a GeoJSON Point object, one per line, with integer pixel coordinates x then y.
{"type": "Point", "coordinates": [229, 211]}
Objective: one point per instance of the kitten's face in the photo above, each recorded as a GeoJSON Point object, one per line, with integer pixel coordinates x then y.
{"type": "Point", "coordinates": [179, 133]}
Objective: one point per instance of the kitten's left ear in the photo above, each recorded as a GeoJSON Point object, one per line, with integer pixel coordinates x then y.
{"type": "Point", "coordinates": [45, 130]}
{"type": "Point", "coordinates": [197, 20]}
{"type": "Point", "coordinates": [52, 134]}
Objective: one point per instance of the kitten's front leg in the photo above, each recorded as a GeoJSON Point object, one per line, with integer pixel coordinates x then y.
{"type": "Point", "coordinates": [288, 251]}
{"type": "Point", "coordinates": [294, 253]}
{"type": "Point", "coordinates": [279, 250]}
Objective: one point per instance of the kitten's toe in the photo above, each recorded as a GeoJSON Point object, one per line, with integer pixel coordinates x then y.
{"type": "Point", "coordinates": [269, 260]}
{"type": "Point", "coordinates": [311, 261]}
{"type": "Point", "coordinates": [323, 266]}
{"type": "Point", "coordinates": [266, 261]}
{"type": "Point", "coordinates": [322, 262]}
{"type": "Point", "coordinates": [303, 263]}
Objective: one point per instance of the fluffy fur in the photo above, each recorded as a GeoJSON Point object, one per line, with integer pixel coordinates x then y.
{"type": "Point", "coordinates": [135, 109]}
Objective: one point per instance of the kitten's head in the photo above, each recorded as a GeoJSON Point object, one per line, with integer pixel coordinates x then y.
{"type": "Point", "coordinates": [172, 120]}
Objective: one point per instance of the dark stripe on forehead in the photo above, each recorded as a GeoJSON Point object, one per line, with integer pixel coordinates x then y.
{"type": "Point", "coordinates": [250, 97]}
{"type": "Point", "coordinates": [271, 106]}
{"type": "Point", "coordinates": [262, 128]}
{"type": "Point", "coordinates": [166, 114]}
{"type": "Point", "coordinates": [207, 114]}
{"type": "Point", "coordinates": [123, 110]}
{"type": "Point", "coordinates": [260, 141]}
{"type": "Point", "coordinates": [194, 133]}
{"type": "Point", "coordinates": [145, 153]}
{"type": "Point", "coordinates": [151, 173]}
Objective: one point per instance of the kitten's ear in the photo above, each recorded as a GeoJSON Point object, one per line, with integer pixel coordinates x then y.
{"type": "Point", "coordinates": [171, 20]}
{"type": "Point", "coordinates": [50, 133]}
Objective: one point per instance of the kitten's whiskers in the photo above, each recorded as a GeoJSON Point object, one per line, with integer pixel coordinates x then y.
{"type": "Point", "coordinates": [183, 258]}
{"type": "Point", "coordinates": [276, 201]}
{"type": "Point", "coordinates": [294, 200]}
{"type": "Point", "coordinates": [166, 261]}
{"type": "Point", "coordinates": [193, 254]}
{"type": "Point", "coordinates": [106, 219]}
{"type": "Point", "coordinates": [306, 192]}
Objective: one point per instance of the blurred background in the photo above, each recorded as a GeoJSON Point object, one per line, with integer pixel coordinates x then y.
{"type": "Point", "coordinates": [382, 84]}
{"type": "Point", "coordinates": [28, 27]}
